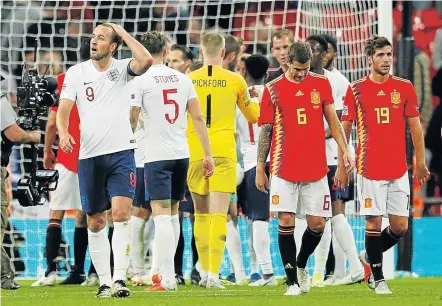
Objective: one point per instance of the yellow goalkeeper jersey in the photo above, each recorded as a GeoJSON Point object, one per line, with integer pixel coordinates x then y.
{"type": "Point", "coordinates": [219, 91]}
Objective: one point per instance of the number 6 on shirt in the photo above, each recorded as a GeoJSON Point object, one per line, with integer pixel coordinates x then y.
{"type": "Point", "coordinates": [302, 116]}
{"type": "Point", "coordinates": [168, 101]}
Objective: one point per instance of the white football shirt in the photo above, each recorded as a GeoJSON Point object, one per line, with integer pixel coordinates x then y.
{"type": "Point", "coordinates": [141, 143]}
{"type": "Point", "coordinates": [163, 94]}
{"type": "Point", "coordinates": [339, 85]}
{"type": "Point", "coordinates": [249, 135]}
{"type": "Point", "coordinates": [103, 107]}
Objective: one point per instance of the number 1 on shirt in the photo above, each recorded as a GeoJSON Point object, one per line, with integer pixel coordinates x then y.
{"type": "Point", "coordinates": [209, 111]}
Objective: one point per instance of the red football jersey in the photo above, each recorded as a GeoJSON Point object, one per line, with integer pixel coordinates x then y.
{"type": "Point", "coordinates": [70, 160]}
{"type": "Point", "coordinates": [296, 112]}
{"type": "Point", "coordinates": [380, 111]}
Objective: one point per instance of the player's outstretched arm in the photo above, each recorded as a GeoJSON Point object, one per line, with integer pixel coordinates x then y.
{"type": "Point", "coordinates": [143, 59]}
{"type": "Point", "coordinates": [50, 135]}
{"type": "Point", "coordinates": [421, 171]}
{"type": "Point", "coordinates": [265, 140]}
{"type": "Point", "coordinates": [63, 113]}
{"type": "Point", "coordinates": [194, 109]}
{"type": "Point", "coordinates": [248, 106]}
{"type": "Point", "coordinates": [134, 115]}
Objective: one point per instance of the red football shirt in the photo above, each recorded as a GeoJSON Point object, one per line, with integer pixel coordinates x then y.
{"type": "Point", "coordinates": [380, 111]}
{"type": "Point", "coordinates": [296, 112]}
{"type": "Point", "coordinates": [70, 160]}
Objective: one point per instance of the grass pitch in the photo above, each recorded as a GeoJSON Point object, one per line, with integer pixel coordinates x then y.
{"type": "Point", "coordinates": [422, 291]}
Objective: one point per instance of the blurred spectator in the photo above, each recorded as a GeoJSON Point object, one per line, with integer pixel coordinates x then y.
{"type": "Point", "coordinates": [422, 85]}
{"type": "Point", "coordinates": [50, 63]}
{"type": "Point", "coordinates": [437, 52]}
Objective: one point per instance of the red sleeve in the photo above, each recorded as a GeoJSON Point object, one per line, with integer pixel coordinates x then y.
{"type": "Point", "coordinates": [349, 110]}
{"type": "Point", "coordinates": [267, 109]}
{"type": "Point", "coordinates": [327, 95]}
{"type": "Point", "coordinates": [411, 104]}
{"type": "Point", "coordinates": [60, 80]}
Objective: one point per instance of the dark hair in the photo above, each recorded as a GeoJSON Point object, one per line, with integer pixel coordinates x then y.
{"type": "Point", "coordinates": [376, 42]}
{"type": "Point", "coordinates": [187, 53]}
{"type": "Point", "coordinates": [257, 66]}
{"type": "Point", "coordinates": [300, 51]}
{"type": "Point", "coordinates": [331, 40]}
{"type": "Point", "coordinates": [320, 40]}
{"type": "Point", "coordinates": [233, 44]}
{"type": "Point", "coordinates": [196, 65]}
{"type": "Point", "coordinates": [115, 39]}
{"type": "Point", "coordinates": [283, 32]}
{"type": "Point", "coordinates": [154, 42]}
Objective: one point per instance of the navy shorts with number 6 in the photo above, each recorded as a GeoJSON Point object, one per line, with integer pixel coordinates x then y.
{"type": "Point", "coordinates": [166, 179]}
{"type": "Point", "coordinates": [106, 176]}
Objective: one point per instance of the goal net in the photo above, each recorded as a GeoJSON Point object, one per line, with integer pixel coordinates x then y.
{"type": "Point", "coordinates": [59, 28]}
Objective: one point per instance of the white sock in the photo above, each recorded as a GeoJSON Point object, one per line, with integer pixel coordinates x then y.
{"type": "Point", "coordinates": [99, 249]}
{"type": "Point", "coordinates": [300, 227]}
{"type": "Point", "coordinates": [156, 265]}
{"type": "Point", "coordinates": [340, 258]}
{"type": "Point", "coordinates": [122, 248]}
{"type": "Point", "coordinates": [254, 267]}
{"type": "Point", "coordinates": [322, 250]}
{"type": "Point", "coordinates": [149, 230]}
{"type": "Point", "coordinates": [165, 241]}
{"type": "Point", "coordinates": [233, 245]}
{"type": "Point", "coordinates": [261, 244]}
{"type": "Point", "coordinates": [176, 229]}
{"type": "Point", "coordinates": [346, 240]}
{"type": "Point", "coordinates": [138, 252]}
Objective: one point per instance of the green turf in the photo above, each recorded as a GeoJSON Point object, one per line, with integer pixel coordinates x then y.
{"type": "Point", "coordinates": [422, 291]}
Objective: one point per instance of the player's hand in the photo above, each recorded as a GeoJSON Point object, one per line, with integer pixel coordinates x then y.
{"type": "Point", "coordinates": [117, 28]}
{"type": "Point", "coordinates": [66, 142]}
{"type": "Point", "coordinates": [422, 173]}
{"type": "Point", "coordinates": [261, 180]}
{"type": "Point", "coordinates": [35, 136]}
{"type": "Point", "coordinates": [49, 159]}
{"type": "Point", "coordinates": [208, 166]}
{"type": "Point", "coordinates": [253, 92]}
{"type": "Point", "coordinates": [342, 178]}
{"type": "Point", "coordinates": [349, 161]}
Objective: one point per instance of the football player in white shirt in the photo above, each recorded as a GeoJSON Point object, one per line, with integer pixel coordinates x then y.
{"type": "Point", "coordinates": [165, 96]}
{"type": "Point", "coordinates": [343, 235]}
{"type": "Point", "coordinates": [258, 207]}
{"type": "Point", "coordinates": [106, 167]}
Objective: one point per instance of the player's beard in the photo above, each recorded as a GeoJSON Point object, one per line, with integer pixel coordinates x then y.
{"type": "Point", "coordinates": [99, 56]}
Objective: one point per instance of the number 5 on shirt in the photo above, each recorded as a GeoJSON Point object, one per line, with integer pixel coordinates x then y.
{"type": "Point", "coordinates": [168, 101]}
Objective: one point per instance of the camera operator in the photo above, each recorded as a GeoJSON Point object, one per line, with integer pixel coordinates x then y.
{"type": "Point", "coordinates": [10, 133]}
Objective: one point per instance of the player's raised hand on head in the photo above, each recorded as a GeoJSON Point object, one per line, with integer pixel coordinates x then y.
{"type": "Point", "coordinates": [262, 181]}
{"type": "Point", "coordinates": [49, 159]}
{"type": "Point", "coordinates": [208, 166]}
{"type": "Point", "coordinates": [422, 174]}
{"type": "Point", "coordinates": [66, 142]}
{"type": "Point", "coordinates": [117, 28]}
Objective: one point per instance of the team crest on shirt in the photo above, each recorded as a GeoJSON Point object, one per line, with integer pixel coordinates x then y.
{"type": "Point", "coordinates": [315, 98]}
{"type": "Point", "coordinates": [275, 199]}
{"type": "Point", "coordinates": [113, 74]}
{"type": "Point", "coordinates": [368, 203]}
{"type": "Point", "coordinates": [395, 98]}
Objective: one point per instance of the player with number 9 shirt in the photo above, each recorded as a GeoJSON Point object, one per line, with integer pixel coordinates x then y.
{"type": "Point", "coordinates": [292, 110]}
{"type": "Point", "coordinates": [219, 91]}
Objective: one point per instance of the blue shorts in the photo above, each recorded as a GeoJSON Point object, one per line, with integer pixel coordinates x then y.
{"type": "Point", "coordinates": [106, 176]}
{"type": "Point", "coordinates": [257, 203]}
{"type": "Point", "coordinates": [166, 179]}
{"type": "Point", "coordinates": [331, 184]}
{"type": "Point", "coordinates": [186, 205]}
{"type": "Point", "coordinates": [141, 193]}
{"type": "Point", "coordinates": [346, 194]}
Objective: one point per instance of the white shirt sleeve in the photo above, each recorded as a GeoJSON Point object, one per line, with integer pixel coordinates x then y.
{"type": "Point", "coordinates": [136, 93]}
{"type": "Point", "coordinates": [68, 90]}
{"type": "Point", "coordinates": [341, 90]}
{"type": "Point", "coordinates": [192, 92]}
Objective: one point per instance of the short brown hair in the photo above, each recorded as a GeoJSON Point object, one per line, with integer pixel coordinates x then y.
{"type": "Point", "coordinates": [154, 42]}
{"type": "Point", "coordinates": [300, 51]}
{"type": "Point", "coordinates": [115, 39]}
{"type": "Point", "coordinates": [213, 43]}
{"type": "Point", "coordinates": [232, 44]}
{"type": "Point", "coordinates": [376, 42]}
{"type": "Point", "coordinates": [283, 32]}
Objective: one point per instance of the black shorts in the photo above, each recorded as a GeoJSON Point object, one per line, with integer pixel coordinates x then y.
{"type": "Point", "coordinates": [141, 193]}
{"type": "Point", "coordinates": [166, 179]}
{"type": "Point", "coordinates": [347, 194]}
{"type": "Point", "coordinates": [331, 184]}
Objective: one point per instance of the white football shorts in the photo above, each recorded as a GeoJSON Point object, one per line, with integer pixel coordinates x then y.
{"type": "Point", "coordinates": [302, 199]}
{"type": "Point", "coordinates": [67, 194]}
{"type": "Point", "coordinates": [378, 198]}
